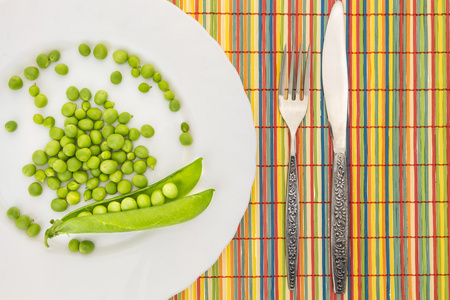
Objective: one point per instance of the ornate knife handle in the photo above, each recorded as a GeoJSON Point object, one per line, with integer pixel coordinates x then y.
{"type": "Point", "coordinates": [292, 222]}
{"type": "Point", "coordinates": [339, 223]}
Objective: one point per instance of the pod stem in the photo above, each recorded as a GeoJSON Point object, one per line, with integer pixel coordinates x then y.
{"type": "Point", "coordinates": [52, 232]}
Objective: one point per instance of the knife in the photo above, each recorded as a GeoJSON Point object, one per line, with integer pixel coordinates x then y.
{"type": "Point", "coordinates": [335, 88]}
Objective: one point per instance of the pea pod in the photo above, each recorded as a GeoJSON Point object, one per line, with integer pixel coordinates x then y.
{"type": "Point", "coordinates": [175, 212]}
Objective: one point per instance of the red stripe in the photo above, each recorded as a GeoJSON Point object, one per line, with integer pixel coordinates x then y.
{"type": "Point", "coordinates": [447, 21]}
{"type": "Point", "coordinates": [196, 10]}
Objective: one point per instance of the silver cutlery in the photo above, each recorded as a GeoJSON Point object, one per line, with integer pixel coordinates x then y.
{"type": "Point", "coordinates": [293, 110]}
{"type": "Point", "coordinates": [335, 87]}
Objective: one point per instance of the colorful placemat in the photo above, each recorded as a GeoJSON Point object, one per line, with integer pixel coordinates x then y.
{"type": "Point", "coordinates": [398, 156]}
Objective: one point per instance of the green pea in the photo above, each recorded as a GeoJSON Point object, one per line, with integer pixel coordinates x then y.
{"type": "Point", "coordinates": [122, 129]}
{"type": "Point", "coordinates": [96, 172]}
{"type": "Point", "coordinates": [140, 166]}
{"type": "Point", "coordinates": [93, 162]}
{"type": "Point", "coordinates": [111, 188]}
{"type": "Point", "coordinates": [108, 166]}
{"type": "Point", "coordinates": [84, 213]}
{"type": "Point", "coordinates": [54, 55]}
{"type": "Point", "coordinates": [42, 61]}
{"type": "Point", "coordinates": [73, 164]}
{"type": "Point", "coordinates": [100, 51]}
{"type": "Point", "coordinates": [147, 71]}
{"type": "Point", "coordinates": [71, 121]}
{"type": "Point", "coordinates": [120, 56]}
{"type": "Point", "coordinates": [15, 83]}
{"type": "Point", "coordinates": [73, 198]}
{"type": "Point", "coordinates": [86, 124]}
{"type": "Point", "coordinates": [184, 127]}
{"type": "Point", "coordinates": [147, 131]}
{"type": "Point", "coordinates": [35, 189]}
{"type": "Point", "coordinates": [84, 141]}
{"type": "Point", "coordinates": [110, 115]}
{"type": "Point", "coordinates": [169, 95]}
{"type": "Point", "coordinates": [127, 146]}
{"type": "Point", "coordinates": [143, 200]}
{"type": "Point", "coordinates": [34, 90]}
{"type": "Point", "coordinates": [116, 177]}
{"type": "Point", "coordinates": [69, 149]}
{"type": "Point", "coordinates": [62, 192]}
{"type": "Point", "coordinates": [52, 148]}
{"type": "Point", "coordinates": [64, 176]}
{"type": "Point", "coordinates": [40, 176]}
{"type": "Point", "coordinates": [29, 170]}
{"type": "Point", "coordinates": [119, 156]}
{"type": "Point", "coordinates": [49, 172]}
{"type": "Point", "coordinates": [108, 104]}
{"type": "Point", "coordinates": [106, 155]}
{"type": "Point", "coordinates": [84, 50]}
{"type": "Point", "coordinates": [38, 119]}
{"type": "Point", "coordinates": [87, 195]}
{"type": "Point", "coordinates": [13, 212]}
{"type": "Point", "coordinates": [39, 158]}
{"type": "Point", "coordinates": [73, 185]}
{"type": "Point", "coordinates": [98, 125]}
{"type": "Point", "coordinates": [83, 154]}
{"type": "Point", "coordinates": [133, 61]}
{"type": "Point", "coordinates": [127, 167]}
{"type": "Point", "coordinates": [99, 209]}
{"type": "Point", "coordinates": [92, 183]}
{"type": "Point", "coordinates": [100, 97]}
{"type": "Point", "coordinates": [94, 113]}
{"type": "Point", "coordinates": [139, 181]}
{"type": "Point", "coordinates": [60, 166]}
{"type": "Point", "coordinates": [128, 204]}
{"type": "Point", "coordinates": [174, 105]}
{"type": "Point", "coordinates": [80, 132]}
{"type": "Point", "coordinates": [53, 183]}
{"type": "Point", "coordinates": [80, 177]}
{"type": "Point", "coordinates": [85, 94]}
{"type": "Point", "coordinates": [157, 198]}
{"type": "Point", "coordinates": [103, 177]}
{"type": "Point", "coordinates": [11, 126]}
{"type": "Point", "coordinates": [115, 141]}
{"type": "Point", "coordinates": [124, 118]}
{"type": "Point", "coordinates": [31, 73]}
{"type": "Point", "coordinates": [170, 190]}
{"type": "Point", "coordinates": [48, 122]}
{"type": "Point", "coordinates": [163, 86]}
{"type": "Point", "coordinates": [71, 131]}
{"type": "Point", "coordinates": [96, 137]}
{"type": "Point", "coordinates": [104, 145]}
{"type": "Point", "coordinates": [135, 72]}
{"type": "Point", "coordinates": [80, 113]}
{"type": "Point", "coordinates": [62, 156]}
{"type": "Point", "coordinates": [141, 152]}
{"type": "Point", "coordinates": [33, 230]}
{"type": "Point", "coordinates": [74, 245]}
{"type": "Point", "coordinates": [131, 156]}
{"type": "Point", "coordinates": [124, 186]}
{"type": "Point", "coordinates": [86, 247]}
{"type": "Point", "coordinates": [144, 87]}
{"type": "Point", "coordinates": [40, 101]}
{"type": "Point", "coordinates": [72, 93]}
{"type": "Point", "coordinates": [99, 193]}
{"type": "Point", "coordinates": [116, 77]}
{"type": "Point", "coordinates": [23, 222]}
{"type": "Point", "coordinates": [113, 207]}
{"type": "Point", "coordinates": [56, 133]}
{"type": "Point", "coordinates": [156, 77]}
{"type": "Point", "coordinates": [85, 105]}
{"type": "Point", "coordinates": [62, 69]}
{"type": "Point", "coordinates": [185, 139]}
{"type": "Point", "coordinates": [134, 134]}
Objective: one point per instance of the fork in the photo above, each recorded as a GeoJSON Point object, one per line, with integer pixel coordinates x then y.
{"type": "Point", "coordinates": [293, 110]}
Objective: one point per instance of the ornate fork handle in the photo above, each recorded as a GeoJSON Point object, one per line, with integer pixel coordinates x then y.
{"type": "Point", "coordinates": [339, 222]}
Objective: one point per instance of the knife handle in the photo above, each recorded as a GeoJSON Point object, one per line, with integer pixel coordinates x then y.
{"type": "Point", "coordinates": [339, 222]}
{"type": "Point", "coordinates": [292, 222]}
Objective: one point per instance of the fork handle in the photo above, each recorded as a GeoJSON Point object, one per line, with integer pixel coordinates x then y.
{"type": "Point", "coordinates": [339, 222]}
{"type": "Point", "coordinates": [292, 221]}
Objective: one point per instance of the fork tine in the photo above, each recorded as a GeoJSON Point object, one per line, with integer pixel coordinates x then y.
{"type": "Point", "coordinates": [307, 74]}
{"type": "Point", "coordinates": [281, 83]}
{"type": "Point", "coordinates": [299, 73]}
{"type": "Point", "coordinates": [291, 74]}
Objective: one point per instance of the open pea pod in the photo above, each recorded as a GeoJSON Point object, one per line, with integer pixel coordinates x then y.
{"type": "Point", "coordinates": [175, 212]}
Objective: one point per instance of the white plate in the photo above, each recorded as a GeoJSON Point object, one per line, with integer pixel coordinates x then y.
{"type": "Point", "coordinates": [154, 264]}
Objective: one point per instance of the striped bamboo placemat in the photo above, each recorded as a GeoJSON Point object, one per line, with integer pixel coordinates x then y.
{"type": "Point", "coordinates": [398, 156]}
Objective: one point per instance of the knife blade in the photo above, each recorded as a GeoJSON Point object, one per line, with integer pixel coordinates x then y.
{"type": "Point", "coordinates": [335, 87]}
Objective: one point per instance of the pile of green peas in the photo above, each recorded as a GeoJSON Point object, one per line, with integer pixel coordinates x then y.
{"type": "Point", "coordinates": [84, 247]}
{"type": "Point", "coordinates": [94, 147]}
{"type": "Point", "coordinates": [24, 222]}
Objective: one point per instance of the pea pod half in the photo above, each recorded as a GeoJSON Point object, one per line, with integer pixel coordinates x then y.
{"type": "Point", "coordinates": [175, 212]}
